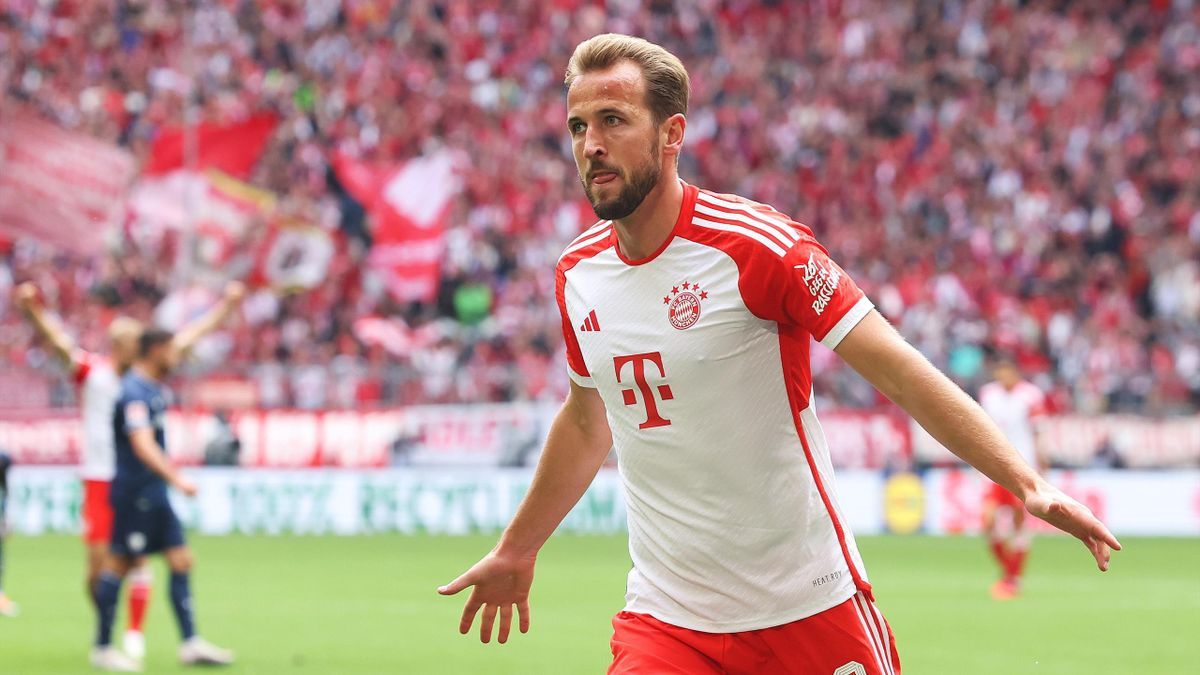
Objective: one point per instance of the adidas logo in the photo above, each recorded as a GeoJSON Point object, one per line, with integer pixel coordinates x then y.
{"type": "Point", "coordinates": [590, 323]}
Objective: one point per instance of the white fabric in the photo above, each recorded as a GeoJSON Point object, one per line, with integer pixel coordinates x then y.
{"type": "Point", "coordinates": [1013, 411]}
{"type": "Point", "coordinates": [727, 529]}
{"type": "Point", "coordinates": [98, 397]}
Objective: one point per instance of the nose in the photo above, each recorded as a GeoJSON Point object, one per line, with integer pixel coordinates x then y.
{"type": "Point", "coordinates": [593, 147]}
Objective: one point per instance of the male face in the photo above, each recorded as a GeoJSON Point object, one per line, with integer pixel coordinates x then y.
{"type": "Point", "coordinates": [159, 359]}
{"type": "Point", "coordinates": [123, 337]}
{"type": "Point", "coordinates": [1006, 374]}
{"type": "Point", "coordinates": [614, 138]}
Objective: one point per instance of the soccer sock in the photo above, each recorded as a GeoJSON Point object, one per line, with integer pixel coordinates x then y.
{"type": "Point", "coordinates": [998, 552]}
{"type": "Point", "coordinates": [1018, 550]}
{"type": "Point", "coordinates": [139, 598]}
{"type": "Point", "coordinates": [1016, 563]}
{"type": "Point", "coordinates": [108, 589]}
{"type": "Point", "coordinates": [181, 600]}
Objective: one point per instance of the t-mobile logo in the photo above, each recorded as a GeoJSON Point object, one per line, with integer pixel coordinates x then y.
{"type": "Point", "coordinates": [653, 419]}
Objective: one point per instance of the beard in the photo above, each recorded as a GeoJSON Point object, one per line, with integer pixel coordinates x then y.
{"type": "Point", "coordinates": [641, 181]}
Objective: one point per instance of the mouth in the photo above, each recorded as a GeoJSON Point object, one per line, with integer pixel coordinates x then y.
{"type": "Point", "coordinates": [602, 177]}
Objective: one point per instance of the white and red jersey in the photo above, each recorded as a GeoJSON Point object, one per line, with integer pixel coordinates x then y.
{"type": "Point", "coordinates": [99, 386]}
{"type": "Point", "coordinates": [1014, 410]}
{"type": "Point", "coordinates": [701, 355]}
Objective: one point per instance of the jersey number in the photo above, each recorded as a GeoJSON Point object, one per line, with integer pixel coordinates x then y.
{"type": "Point", "coordinates": [852, 668]}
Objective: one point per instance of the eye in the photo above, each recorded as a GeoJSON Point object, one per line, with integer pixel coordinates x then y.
{"type": "Point", "coordinates": [612, 120]}
{"type": "Point", "coordinates": [576, 128]}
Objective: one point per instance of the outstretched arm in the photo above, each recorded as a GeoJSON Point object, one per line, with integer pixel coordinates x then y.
{"type": "Point", "coordinates": [190, 334]}
{"type": "Point", "coordinates": [61, 344]}
{"type": "Point", "coordinates": [578, 442]}
{"type": "Point", "coordinates": [881, 355]}
{"type": "Point", "coordinates": [148, 450]}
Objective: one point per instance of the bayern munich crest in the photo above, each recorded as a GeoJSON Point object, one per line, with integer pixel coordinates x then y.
{"type": "Point", "coordinates": [683, 305]}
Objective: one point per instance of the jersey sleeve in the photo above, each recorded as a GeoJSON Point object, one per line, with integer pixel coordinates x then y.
{"type": "Point", "coordinates": [84, 363]}
{"type": "Point", "coordinates": [136, 412]}
{"type": "Point", "coordinates": [804, 288]}
{"type": "Point", "coordinates": [576, 368]}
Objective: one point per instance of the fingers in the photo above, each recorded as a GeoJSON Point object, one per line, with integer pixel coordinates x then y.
{"type": "Point", "coordinates": [489, 620]}
{"type": "Point", "coordinates": [1107, 537]}
{"type": "Point", "coordinates": [1099, 551]}
{"type": "Point", "coordinates": [523, 611]}
{"type": "Point", "coordinates": [468, 615]}
{"type": "Point", "coordinates": [457, 585]}
{"type": "Point", "coordinates": [506, 613]}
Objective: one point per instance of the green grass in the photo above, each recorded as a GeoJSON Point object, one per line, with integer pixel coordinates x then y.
{"type": "Point", "coordinates": [368, 605]}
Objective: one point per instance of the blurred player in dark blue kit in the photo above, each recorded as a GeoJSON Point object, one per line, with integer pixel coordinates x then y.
{"type": "Point", "coordinates": [143, 521]}
{"type": "Point", "coordinates": [7, 606]}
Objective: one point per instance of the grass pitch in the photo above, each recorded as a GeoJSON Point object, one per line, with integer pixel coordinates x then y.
{"type": "Point", "coordinates": [368, 605]}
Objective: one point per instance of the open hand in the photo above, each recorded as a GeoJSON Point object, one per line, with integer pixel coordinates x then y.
{"type": "Point", "coordinates": [499, 583]}
{"type": "Point", "coordinates": [235, 291]}
{"type": "Point", "coordinates": [1055, 507]}
{"type": "Point", "coordinates": [26, 296]}
{"type": "Point", "coordinates": [186, 486]}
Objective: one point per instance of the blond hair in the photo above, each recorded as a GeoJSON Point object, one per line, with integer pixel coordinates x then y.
{"type": "Point", "coordinates": [666, 79]}
{"type": "Point", "coordinates": [124, 327]}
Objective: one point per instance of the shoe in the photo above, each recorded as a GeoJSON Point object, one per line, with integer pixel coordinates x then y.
{"type": "Point", "coordinates": [8, 607]}
{"type": "Point", "coordinates": [111, 659]}
{"type": "Point", "coordinates": [135, 644]}
{"type": "Point", "coordinates": [1005, 589]}
{"type": "Point", "coordinates": [200, 652]}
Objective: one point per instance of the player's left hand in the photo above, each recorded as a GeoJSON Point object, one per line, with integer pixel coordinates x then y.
{"type": "Point", "coordinates": [235, 291]}
{"type": "Point", "coordinates": [1055, 507]}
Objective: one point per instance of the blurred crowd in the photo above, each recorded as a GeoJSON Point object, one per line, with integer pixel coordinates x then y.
{"type": "Point", "coordinates": [1000, 177]}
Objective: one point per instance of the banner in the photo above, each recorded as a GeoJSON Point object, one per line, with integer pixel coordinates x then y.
{"type": "Point", "coordinates": [499, 434]}
{"type": "Point", "coordinates": [409, 205]}
{"type": "Point", "coordinates": [457, 501]}
{"type": "Point", "coordinates": [1078, 440]}
{"type": "Point", "coordinates": [231, 148]}
{"type": "Point", "coordinates": [58, 186]}
{"type": "Point", "coordinates": [1158, 503]}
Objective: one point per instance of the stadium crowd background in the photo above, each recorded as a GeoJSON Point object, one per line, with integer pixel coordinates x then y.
{"type": "Point", "coordinates": [989, 196]}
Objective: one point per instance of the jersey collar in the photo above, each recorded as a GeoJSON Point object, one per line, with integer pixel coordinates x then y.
{"type": "Point", "coordinates": [685, 217]}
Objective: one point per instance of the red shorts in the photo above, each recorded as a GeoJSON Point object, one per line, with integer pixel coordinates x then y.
{"type": "Point", "coordinates": [998, 496]}
{"type": "Point", "coordinates": [850, 639]}
{"type": "Point", "coordinates": [97, 512]}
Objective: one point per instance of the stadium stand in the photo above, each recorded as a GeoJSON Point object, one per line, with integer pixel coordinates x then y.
{"type": "Point", "coordinates": [1041, 201]}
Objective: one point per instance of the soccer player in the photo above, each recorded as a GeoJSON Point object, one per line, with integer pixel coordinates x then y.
{"type": "Point", "coordinates": [98, 379]}
{"type": "Point", "coordinates": [7, 606]}
{"type": "Point", "coordinates": [1013, 403]}
{"type": "Point", "coordinates": [688, 317]}
{"type": "Point", "coordinates": [143, 520]}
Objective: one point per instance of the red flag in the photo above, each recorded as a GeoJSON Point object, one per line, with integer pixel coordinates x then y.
{"type": "Point", "coordinates": [233, 148]}
{"type": "Point", "coordinates": [409, 204]}
{"type": "Point", "coordinates": [60, 186]}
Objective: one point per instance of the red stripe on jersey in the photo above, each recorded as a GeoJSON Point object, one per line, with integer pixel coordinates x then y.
{"type": "Point", "coordinates": [568, 261]}
{"type": "Point", "coordinates": [793, 348]}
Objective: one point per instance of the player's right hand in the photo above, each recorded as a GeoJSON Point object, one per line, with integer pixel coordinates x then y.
{"type": "Point", "coordinates": [499, 581]}
{"type": "Point", "coordinates": [186, 486]}
{"type": "Point", "coordinates": [26, 296]}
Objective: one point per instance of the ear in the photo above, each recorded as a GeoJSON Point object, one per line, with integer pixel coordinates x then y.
{"type": "Point", "coordinates": [671, 134]}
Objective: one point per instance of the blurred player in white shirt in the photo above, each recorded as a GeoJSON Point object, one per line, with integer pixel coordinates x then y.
{"type": "Point", "coordinates": [98, 378]}
{"type": "Point", "coordinates": [1013, 403]}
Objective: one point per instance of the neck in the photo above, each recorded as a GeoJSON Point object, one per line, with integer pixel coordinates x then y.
{"type": "Point", "coordinates": [147, 371]}
{"type": "Point", "coordinates": [645, 230]}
